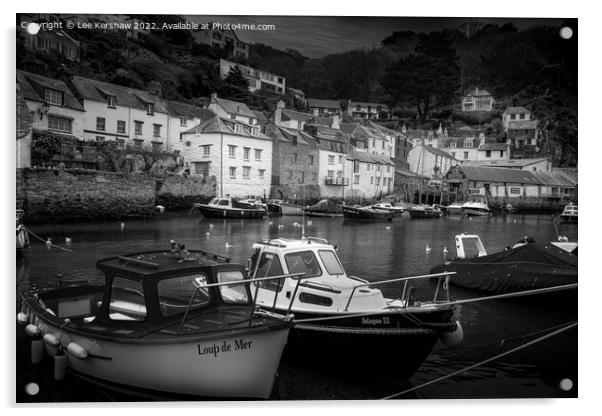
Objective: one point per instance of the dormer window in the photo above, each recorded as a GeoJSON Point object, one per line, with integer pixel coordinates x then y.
{"type": "Point", "coordinates": [150, 109]}
{"type": "Point", "coordinates": [468, 143]}
{"type": "Point", "coordinates": [255, 131]}
{"type": "Point", "coordinates": [452, 145]}
{"type": "Point", "coordinates": [238, 129]}
{"type": "Point", "coordinates": [53, 97]}
{"type": "Point", "coordinates": [111, 101]}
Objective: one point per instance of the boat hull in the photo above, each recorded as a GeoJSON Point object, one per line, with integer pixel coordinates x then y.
{"type": "Point", "coordinates": [568, 219]}
{"type": "Point", "coordinates": [214, 212]}
{"type": "Point", "coordinates": [475, 212]}
{"type": "Point", "coordinates": [367, 214]}
{"type": "Point", "coordinates": [418, 213]}
{"type": "Point", "coordinates": [279, 210]}
{"type": "Point", "coordinates": [323, 214]}
{"type": "Point", "coordinates": [241, 365]}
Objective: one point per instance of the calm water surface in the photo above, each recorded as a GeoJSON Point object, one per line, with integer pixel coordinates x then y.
{"type": "Point", "coordinates": [374, 251]}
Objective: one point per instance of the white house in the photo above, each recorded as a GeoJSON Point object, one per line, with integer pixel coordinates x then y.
{"type": "Point", "coordinates": [429, 161]}
{"type": "Point", "coordinates": [220, 36]}
{"type": "Point", "coordinates": [371, 175]}
{"type": "Point", "coordinates": [52, 104]}
{"type": "Point", "coordinates": [477, 100]}
{"type": "Point", "coordinates": [182, 117]}
{"type": "Point", "coordinates": [289, 118]}
{"type": "Point", "coordinates": [258, 79]}
{"type": "Point", "coordinates": [237, 154]}
{"type": "Point", "coordinates": [367, 111]}
{"type": "Point", "coordinates": [321, 108]}
{"type": "Point", "coordinates": [124, 115]}
{"type": "Point", "coordinates": [233, 110]}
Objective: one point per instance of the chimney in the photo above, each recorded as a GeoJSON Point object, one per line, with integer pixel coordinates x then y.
{"type": "Point", "coordinates": [154, 87]}
{"type": "Point", "coordinates": [335, 122]}
{"type": "Point", "coordinates": [278, 113]}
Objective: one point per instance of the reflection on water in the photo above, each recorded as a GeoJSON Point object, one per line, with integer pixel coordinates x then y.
{"type": "Point", "coordinates": [373, 251]}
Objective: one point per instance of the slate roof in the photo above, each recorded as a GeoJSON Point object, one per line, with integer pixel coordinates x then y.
{"type": "Point", "coordinates": [492, 174]}
{"type": "Point", "coordinates": [94, 90]}
{"type": "Point", "coordinates": [438, 152]}
{"type": "Point", "coordinates": [295, 115]}
{"type": "Point", "coordinates": [493, 146]}
{"type": "Point", "coordinates": [315, 102]}
{"type": "Point", "coordinates": [369, 157]}
{"type": "Point", "coordinates": [32, 88]}
{"type": "Point", "coordinates": [235, 107]}
{"type": "Point", "coordinates": [554, 179]}
{"type": "Point", "coordinates": [478, 93]}
{"type": "Point", "coordinates": [179, 109]}
{"type": "Point", "coordinates": [218, 124]}
{"type": "Point", "coordinates": [516, 110]}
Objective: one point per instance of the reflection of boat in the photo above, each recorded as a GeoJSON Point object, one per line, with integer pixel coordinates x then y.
{"type": "Point", "coordinates": [230, 208]}
{"type": "Point", "coordinates": [324, 208]}
{"type": "Point", "coordinates": [424, 211]}
{"type": "Point", "coordinates": [278, 207]}
{"type": "Point", "coordinates": [367, 213]}
{"type": "Point", "coordinates": [525, 266]}
{"type": "Point", "coordinates": [476, 205]}
{"type": "Point", "coordinates": [348, 315]}
{"type": "Point", "coordinates": [398, 210]}
{"type": "Point", "coordinates": [22, 233]}
{"type": "Point", "coordinates": [163, 322]}
{"type": "Point", "coordinates": [569, 214]}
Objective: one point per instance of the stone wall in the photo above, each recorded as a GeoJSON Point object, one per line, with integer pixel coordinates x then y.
{"type": "Point", "coordinates": [52, 195]}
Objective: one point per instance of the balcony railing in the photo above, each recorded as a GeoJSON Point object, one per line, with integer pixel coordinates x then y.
{"type": "Point", "coordinates": [336, 181]}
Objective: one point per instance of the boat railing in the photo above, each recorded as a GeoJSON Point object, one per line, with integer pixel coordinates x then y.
{"type": "Point", "coordinates": [406, 280]}
{"type": "Point", "coordinates": [295, 276]}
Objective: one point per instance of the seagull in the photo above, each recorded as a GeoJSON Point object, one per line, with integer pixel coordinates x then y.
{"type": "Point", "coordinates": [122, 226]}
{"type": "Point", "coordinates": [388, 227]}
{"type": "Point", "coordinates": [229, 245]}
{"type": "Point", "coordinates": [207, 233]}
{"type": "Point", "coordinates": [68, 240]}
{"type": "Point", "coordinates": [445, 250]}
{"type": "Point", "coordinates": [427, 249]}
{"type": "Point", "coordinates": [49, 243]}
{"type": "Point", "coordinates": [309, 223]}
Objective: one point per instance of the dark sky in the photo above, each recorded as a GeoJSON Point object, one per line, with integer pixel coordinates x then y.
{"type": "Point", "coordinates": [318, 36]}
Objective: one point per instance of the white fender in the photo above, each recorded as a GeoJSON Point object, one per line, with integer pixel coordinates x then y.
{"type": "Point", "coordinates": [77, 350]}
{"type": "Point", "coordinates": [51, 340]}
{"type": "Point", "coordinates": [22, 319]}
{"type": "Point", "coordinates": [32, 330]}
{"type": "Point", "coordinates": [450, 339]}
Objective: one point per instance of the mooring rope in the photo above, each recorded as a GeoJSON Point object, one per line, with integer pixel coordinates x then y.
{"type": "Point", "coordinates": [450, 303]}
{"type": "Point", "coordinates": [568, 326]}
{"type": "Point", "coordinates": [45, 241]}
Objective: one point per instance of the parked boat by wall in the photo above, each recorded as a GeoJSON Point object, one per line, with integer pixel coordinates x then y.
{"type": "Point", "coordinates": [395, 209]}
{"type": "Point", "coordinates": [277, 207]}
{"type": "Point", "coordinates": [165, 322]}
{"type": "Point", "coordinates": [454, 208]}
{"type": "Point", "coordinates": [230, 208]}
{"type": "Point", "coordinates": [425, 211]}
{"type": "Point", "coordinates": [526, 265]}
{"type": "Point", "coordinates": [367, 213]}
{"type": "Point", "coordinates": [476, 206]}
{"type": "Point", "coordinates": [339, 317]}
{"type": "Point", "coordinates": [569, 214]}
{"type": "Point", "coordinates": [324, 208]}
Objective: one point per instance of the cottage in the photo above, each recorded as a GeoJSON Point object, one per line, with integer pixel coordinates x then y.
{"type": "Point", "coordinates": [368, 111]}
{"type": "Point", "coordinates": [182, 117]}
{"type": "Point", "coordinates": [321, 108]}
{"type": "Point", "coordinates": [236, 153]}
{"type": "Point", "coordinates": [372, 175]}
{"type": "Point", "coordinates": [289, 118]}
{"type": "Point", "coordinates": [370, 138]}
{"type": "Point", "coordinates": [477, 100]}
{"type": "Point", "coordinates": [257, 79]}
{"type": "Point", "coordinates": [429, 161]}
{"type": "Point", "coordinates": [221, 37]}
{"type": "Point", "coordinates": [233, 110]}
{"type": "Point", "coordinates": [521, 131]}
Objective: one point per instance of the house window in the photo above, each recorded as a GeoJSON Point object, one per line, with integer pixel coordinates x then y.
{"type": "Point", "coordinates": [232, 173]}
{"type": "Point", "coordinates": [340, 159]}
{"type": "Point", "coordinates": [156, 130]}
{"type": "Point", "coordinates": [501, 153]}
{"type": "Point", "coordinates": [150, 109]}
{"type": "Point", "coordinates": [371, 180]}
{"type": "Point", "coordinates": [453, 154]}
{"type": "Point", "coordinates": [232, 151]}
{"type": "Point", "coordinates": [367, 166]}
{"type": "Point", "coordinates": [468, 143]}
{"type": "Point", "coordinates": [201, 168]}
{"type": "Point", "coordinates": [522, 116]}
{"type": "Point", "coordinates": [120, 126]}
{"type": "Point", "coordinates": [310, 159]}
{"type": "Point", "coordinates": [59, 124]}
{"type": "Point", "coordinates": [488, 153]}
{"type": "Point", "coordinates": [138, 142]}
{"type": "Point", "coordinates": [111, 101]}
{"type": "Point", "coordinates": [238, 129]}
{"type": "Point", "coordinates": [280, 80]}
{"type": "Point", "coordinates": [246, 172]}
{"type": "Point", "coordinates": [330, 173]}
{"type": "Point", "coordinates": [302, 179]}
{"type": "Point", "coordinates": [206, 150]}
{"type": "Point", "coordinates": [138, 127]}
{"type": "Point", "coordinates": [246, 153]}
{"type": "Point", "coordinates": [356, 179]}
{"type": "Point", "coordinates": [378, 168]}
{"type": "Point", "coordinates": [254, 131]}
{"type": "Point", "coordinates": [388, 168]}
{"type": "Point", "coordinates": [100, 139]}
{"type": "Point", "coordinates": [100, 123]}
{"type": "Point", "coordinates": [331, 159]}
{"type": "Point", "coordinates": [377, 181]}
{"type": "Point", "coordinates": [183, 122]}
{"type": "Point", "coordinates": [465, 155]}
{"type": "Point", "coordinates": [452, 145]}
{"type": "Point", "coordinates": [53, 97]}
{"type": "Point", "coordinates": [314, 176]}
{"type": "Point", "coordinates": [257, 154]}
{"type": "Point", "coordinates": [261, 173]}
{"type": "Point", "coordinates": [295, 157]}
{"type": "Point", "coordinates": [120, 143]}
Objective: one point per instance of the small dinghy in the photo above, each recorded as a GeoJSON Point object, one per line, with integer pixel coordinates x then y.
{"type": "Point", "coordinates": [230, 208]}
{"type": "Point", "coordinates": [175, 322]}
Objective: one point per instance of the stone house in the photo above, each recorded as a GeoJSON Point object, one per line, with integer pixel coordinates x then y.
{"type": "Point", "coordinates": [477, 100]}
{"type": "Point", "coordinates": [237, 154]}
{"type": "Point", "coordinates": [521, 130]}
{"type": "Point", "coordinates": [371, 175]}
{"type": "Point", "coordinates": [323, 108]}
{"type": "Point", "coordinates": [429, 161]}
{"type": "Point", "coordinates": [257, 79]}
{"type": "Point", "coordinates": [367, 111]}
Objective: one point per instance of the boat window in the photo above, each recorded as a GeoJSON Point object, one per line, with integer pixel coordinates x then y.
{"type": "Point", "coordinates": [213, 201]}
{"type": "Point", "coordinates": [174, 293]}
{"type": "Point", "coordinates": [303, 262]}
{"type": "Point", "coordinates": [269, 265]}
{"type": "Point", "coordinates": [127, 300]}
{"type": "Point", "coordinates": [315, 299]}
{"type": "Point", "coordinates": [223, 202]}
{"type": "Point", "coordinates": [331, 262]}
{"type": "Point", "coordinates": [234, 293]}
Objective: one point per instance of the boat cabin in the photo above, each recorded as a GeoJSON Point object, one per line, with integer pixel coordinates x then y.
{"type": "Point", "coordinates": [153, 289]}
{"type": "Point", "coordinates": [469, 246]}
{"type": "Point", "coordinates": [325, 285]}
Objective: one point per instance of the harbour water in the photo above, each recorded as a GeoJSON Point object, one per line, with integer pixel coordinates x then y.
{"type": "Point", "coordinates": [374, 251]}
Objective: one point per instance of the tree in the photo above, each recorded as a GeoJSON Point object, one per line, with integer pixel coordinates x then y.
{"type": "Point", "coordinates": [429, 78]}
{"type": "Point", "coordinates": [236, 78]}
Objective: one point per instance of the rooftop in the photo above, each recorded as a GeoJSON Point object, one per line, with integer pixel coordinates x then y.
{"type": "Point", "coordinates": [522, 124]}
{"type": "Point", "coordinates": [32, 88]}
{"type": "Point", "coordinates": [218, 124]}
{"type": "Point", "coordinates": [235, 107]}
{"type": "Point", "coordinates": [495, 174]}
{"type": "Point", "coordinates": [316, 102]}
{"type": "Point", "coordinates": [516, 110]}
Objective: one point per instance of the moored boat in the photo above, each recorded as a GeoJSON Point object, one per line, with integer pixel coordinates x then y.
{"type": "Point", "coordinates": [455, 208]}
{"type": "Point", "coordinates": [338, 318]}
{"type": "Point", "coordinates": [367, 213]}
{"type": "Point", "coordinates": [165, 322]}
{"type": "Point", "coordinates": [476, 206]}
{"type": "Point", "coordinates": [230, 208]}
{"type": "Point", "coordinates": [395, 209]}
{"type": "Point", "coordinates": [277, 207]}
{"type": "Point", "coordinates": [424, 211]}
{"type": "Point", "coordinates": [324, 208]}
{"type": "Point", "coordinates": [524, 266]}
{"type": "Point", "coordinates": [569, 214]}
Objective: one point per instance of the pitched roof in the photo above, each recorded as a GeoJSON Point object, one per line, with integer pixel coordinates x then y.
{"type": "Point", "coordinates": [478, 93]}
{"type": "Point", "coordinates": [438, 152]}
{"type": "Point", "coordinates": [180, 109]}
{"type": "Point", "coordinates": [522, 124]}
{"type": "Point", "coordinates": [235, 107]}
{"type": "Point", "coordinates": [494, 146]}
{"type": "Point", "coordinates": [33, 85]}
{"type": "Point", "coordinates": [316, 102]}
{"type": "Point", "coordinates": [554, 179]}
{"type": "Point", "coordinates": [491, 174]}
{"type": "Point", "coordinates": [296, 115]}
{"type": "Point", "coordinates": [369, 157]}
{"type": "Point", "coordinates": [295, 90]}
{"type": "Point", "coordinates": [515, 110]}
{"type": "Point", "coordinates": [217, 124]}
{"type": "Point", "coordinates": [510, 163]}
{"type": "Point", "coordinates": [364, 104]}
{"type": "Point", "coordinates": [91, 89]}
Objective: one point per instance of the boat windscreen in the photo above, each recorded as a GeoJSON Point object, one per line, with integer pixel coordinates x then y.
{"type": "Point", "coordinates": [303, 262]}
{"type": "Point", "coordinates": [175, 293]}
{"type": "Point", "coordinates": [234, 293]}
{"type": "Point", "coordinates": [331, 263]}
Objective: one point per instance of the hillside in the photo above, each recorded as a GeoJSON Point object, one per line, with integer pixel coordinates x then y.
{"type": "Point", "coordinates": [534, 68]}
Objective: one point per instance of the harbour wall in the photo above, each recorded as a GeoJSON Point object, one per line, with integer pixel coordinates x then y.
{"type": "Point", "coordinates": [54, 195]}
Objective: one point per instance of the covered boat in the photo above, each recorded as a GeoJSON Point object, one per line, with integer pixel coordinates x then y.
{"type": "Point", "coordinates": [525, 266]}
{"type": "Point", "coordinates": [425, 211]}
{"type": "Point", "coordinates": [277, 207]}
{"type": "Point", "coordinates": [230, 208]}
{"type": "Point", "coordinates": [367, 213]}
{"type": "Point", "coordinates": [324, 208]}
{"type": "Point", "coordinates": [339, 318]}
{"type": "Point", "coordinates": [164, 322]}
